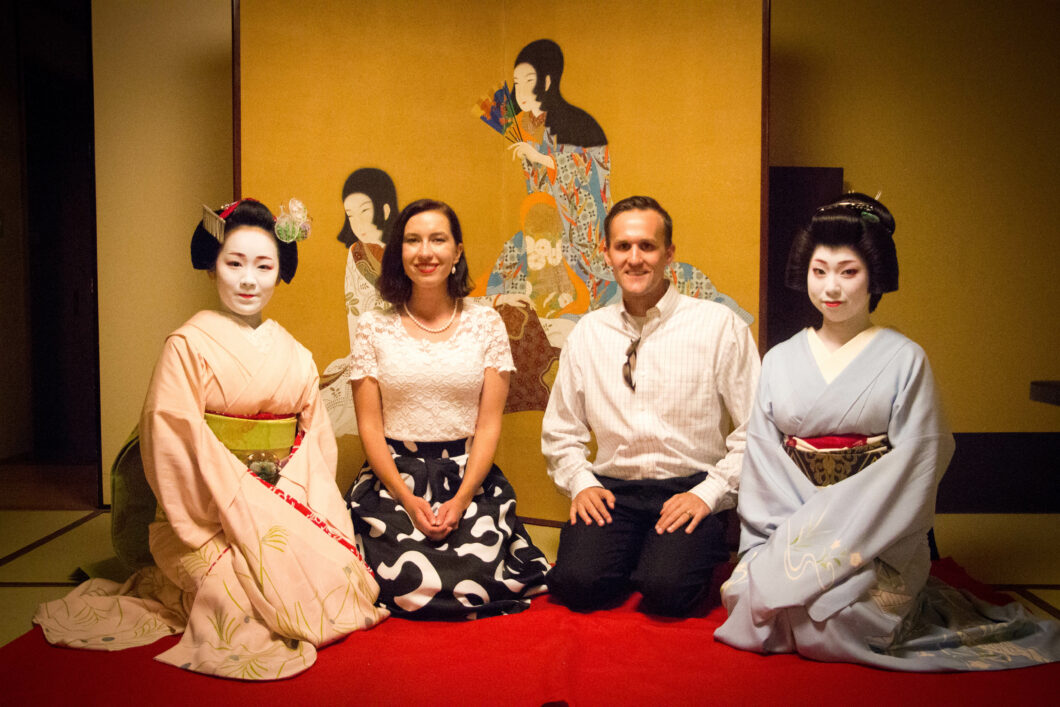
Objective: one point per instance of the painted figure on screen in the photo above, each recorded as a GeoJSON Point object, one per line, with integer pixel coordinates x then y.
{"type": "Point", "coordinates": [564, 155]}
{"type": "Point", "coordinates": [369, 200]}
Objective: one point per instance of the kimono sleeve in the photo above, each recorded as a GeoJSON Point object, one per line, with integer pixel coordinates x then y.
{"type": "Point", "coordinates": [821, 556]}
{"type": "Point", "coordinates": [314, 464]}
{"type": "Point", "coordinates": [178, 448]}
{"type": "Point", "coordinates": [314, 420]}
{"type": "Point", "coordinates": [766, 495]}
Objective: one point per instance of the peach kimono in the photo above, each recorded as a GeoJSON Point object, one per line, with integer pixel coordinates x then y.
{"type": "Point", "coordinates": [257, 576]}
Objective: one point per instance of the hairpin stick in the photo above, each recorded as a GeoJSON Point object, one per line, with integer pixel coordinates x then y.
{"type": "Point", "coordinates": [213, 223]}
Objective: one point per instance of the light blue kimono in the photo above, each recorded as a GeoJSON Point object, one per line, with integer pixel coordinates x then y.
{"type": "Point", "coordinates": [840, 572]}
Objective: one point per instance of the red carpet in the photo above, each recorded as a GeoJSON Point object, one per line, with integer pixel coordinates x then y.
{"type": "Point", "coordinates": [545, 654]}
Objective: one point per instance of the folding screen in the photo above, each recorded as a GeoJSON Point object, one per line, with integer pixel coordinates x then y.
{"type": "Point", "coordinates": [359, 108]}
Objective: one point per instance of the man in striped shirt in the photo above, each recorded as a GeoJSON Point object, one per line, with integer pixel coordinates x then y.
{"type": "Point", "coordinates": [665, 382]}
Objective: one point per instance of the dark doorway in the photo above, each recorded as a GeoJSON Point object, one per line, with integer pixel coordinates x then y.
{"type": "Point", "coordinates": [53, 52]}
{"type": "Point", "coordinates": [794, 193]}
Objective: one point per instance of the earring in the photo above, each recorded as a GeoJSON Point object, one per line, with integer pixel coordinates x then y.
{"type": "Point", "coordinates": [453, 271]}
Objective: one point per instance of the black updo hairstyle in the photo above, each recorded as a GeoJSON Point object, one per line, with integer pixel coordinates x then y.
{"type": "Point", "coordinates": [855, 221]}
{"type": "Point", "coordinates": [394, 285]}
{"type": "Point", "coordinates": [246, 212]}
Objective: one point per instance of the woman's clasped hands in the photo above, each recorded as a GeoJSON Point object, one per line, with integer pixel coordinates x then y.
{"type": "Point", "coordinates": [435, 525]}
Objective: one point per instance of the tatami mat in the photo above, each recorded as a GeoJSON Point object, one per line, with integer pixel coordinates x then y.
{"type": "Point", "coordinates": [20, 528]}
{"type": "Point", "coordinates": [58, 559]}
{"type": "Point", "coordinates": [1032, 607]}
{"type": "Point", "coordinates": [1051, 596]}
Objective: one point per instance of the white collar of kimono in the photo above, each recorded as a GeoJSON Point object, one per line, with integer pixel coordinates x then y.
{"type": "Point", "coordinates": [832, 363]}
{"type": "Point", "coordinates": [662, 309]}
{"type": "Point", "coordinates": [260, 337]}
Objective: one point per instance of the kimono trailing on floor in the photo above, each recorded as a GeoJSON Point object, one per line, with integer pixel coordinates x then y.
{"type": "Point", "coordinates": [836, 568]}
{"type": "Point", "coordinates": [257, 576]}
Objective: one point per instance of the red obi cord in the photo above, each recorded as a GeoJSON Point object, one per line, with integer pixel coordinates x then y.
{"type": "Point", "coordinates": [831, 442]}
{"type": "Point", "coordinates": [258, 416]}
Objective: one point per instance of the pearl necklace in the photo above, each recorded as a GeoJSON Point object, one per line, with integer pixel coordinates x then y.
{"type": "Point", "coordinates": [417, 322]}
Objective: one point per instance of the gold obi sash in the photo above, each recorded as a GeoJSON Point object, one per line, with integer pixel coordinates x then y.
{"type": "Point", "coordinates": [262, 444]}
{"type": "Point", "coordinates": [829, 460]}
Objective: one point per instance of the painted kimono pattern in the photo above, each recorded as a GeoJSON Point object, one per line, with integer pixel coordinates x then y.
{"type": "Point", "coordinates": [840, 572]}
{"type": "Point", "coordinates": [556, 260]}
{"type": "Point", "coordinates": [363, 265]}
{"type": "Point", "coordinates": [256, 576]}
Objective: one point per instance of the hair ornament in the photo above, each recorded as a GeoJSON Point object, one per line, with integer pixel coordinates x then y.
{"type": "Point", "coordinates": [867, 211]}
{"type": "Point", "coordinates": [214, 222]}
{"type": "Point", "coordinates": [293, 224]}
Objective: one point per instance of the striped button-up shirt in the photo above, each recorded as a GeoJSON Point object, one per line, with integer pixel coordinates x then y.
{"type": "Point", "coordinates": [695, 376]}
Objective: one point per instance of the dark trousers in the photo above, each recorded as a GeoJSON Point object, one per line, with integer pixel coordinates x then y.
{"type": "Point", "coordinates": [597, 566]}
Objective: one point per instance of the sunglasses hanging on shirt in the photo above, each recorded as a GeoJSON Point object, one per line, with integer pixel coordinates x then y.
{"type": "Point", "coordinates": [631, 364]}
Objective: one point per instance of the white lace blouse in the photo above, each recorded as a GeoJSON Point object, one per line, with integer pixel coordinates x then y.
{"type": "Point", "coordinates": [430, 389]}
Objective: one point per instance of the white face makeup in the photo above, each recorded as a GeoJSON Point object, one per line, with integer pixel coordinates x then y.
{"type": "Point", "coordinates": [524, 80]}
{"type": "Point", "coordinates": [838, 284]}
{"type": "Point", "coordinates": [428, 250]}
{"type": "Point", "coordinates": [246, 271]}
{"type": "Point", "coordinates": [360, 211]}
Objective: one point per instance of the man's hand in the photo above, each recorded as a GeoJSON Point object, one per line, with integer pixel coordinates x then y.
{"type": "Point", "coordinates": [679, 509]}
{"type": "Point", "coordinates": [592, 504]}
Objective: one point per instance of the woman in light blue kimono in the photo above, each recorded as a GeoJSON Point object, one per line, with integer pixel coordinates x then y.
{"type": "Point", "coordinates": [845, 449]}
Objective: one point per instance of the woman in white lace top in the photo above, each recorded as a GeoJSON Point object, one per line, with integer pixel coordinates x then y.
{"type": "Point", "coordinates": [434, 516]}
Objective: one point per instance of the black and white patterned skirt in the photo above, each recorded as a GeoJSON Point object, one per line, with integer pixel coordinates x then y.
{"type": "Point", "coordinates": [486, 567]}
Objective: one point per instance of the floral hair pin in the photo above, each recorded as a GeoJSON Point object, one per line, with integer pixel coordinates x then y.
{"type": "Point", "coordinates": [293, 224]}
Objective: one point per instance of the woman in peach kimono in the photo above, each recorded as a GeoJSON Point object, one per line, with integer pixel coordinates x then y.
{"type": "Point", "coordinates": [253, 546]}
